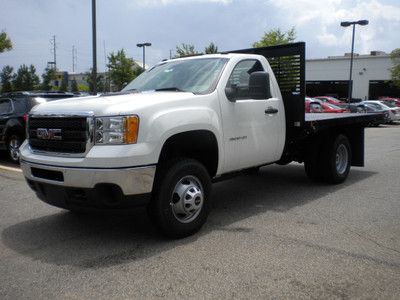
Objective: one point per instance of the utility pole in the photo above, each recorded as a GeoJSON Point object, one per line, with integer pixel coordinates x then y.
{"type": "Point", "coordinates": [54, 47]}
{"type": "Point", "coordinates": [55, 54]}
{"type": "Point", "coordinates": [106, 77]}
{"type": "Point", "coordinates": [94, 68]}
{"type": "Point", "coordinates": [74, 58]}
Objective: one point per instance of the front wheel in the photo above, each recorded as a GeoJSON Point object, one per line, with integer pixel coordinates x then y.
{"type": "Point", "coordinates": [13, 144]}
{"type": "Point", "coordinates": [180, 202]}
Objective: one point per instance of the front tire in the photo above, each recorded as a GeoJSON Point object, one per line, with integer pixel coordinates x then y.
{"type": "Point", "coordinates": [13, 144]}
{"type": "Point", "coordinates": [180, 202]}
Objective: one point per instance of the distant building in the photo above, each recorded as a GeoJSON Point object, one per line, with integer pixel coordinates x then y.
{"type": "Point", "coordinates": [80, 78]}
{"type": "Point", "coordinates": [59, 77]}
{"type": "Point", "coordinates": [371, 76]}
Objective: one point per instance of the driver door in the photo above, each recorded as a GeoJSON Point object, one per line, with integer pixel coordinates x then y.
{"type": "Point", "coordinates": [250, 132]}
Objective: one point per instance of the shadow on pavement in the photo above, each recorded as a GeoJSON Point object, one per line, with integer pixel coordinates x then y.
{"type": "Point", "coordinates": [97, 241]}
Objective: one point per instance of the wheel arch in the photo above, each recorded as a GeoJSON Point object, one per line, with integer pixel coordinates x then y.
{"type": "Point", "coordinates": [201, 145]}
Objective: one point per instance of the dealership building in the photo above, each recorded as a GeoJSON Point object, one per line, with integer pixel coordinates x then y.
{"type": "Point", "coordinates": [371, 76]}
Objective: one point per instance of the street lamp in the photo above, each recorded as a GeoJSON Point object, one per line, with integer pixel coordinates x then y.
{"type": "Point", "coordinates": [347, 24]}
{"type": "Point", "coordinates": [143, 45]}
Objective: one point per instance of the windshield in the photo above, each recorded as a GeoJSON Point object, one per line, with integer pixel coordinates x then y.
{"type": "Point", "coordinates": [198, 76]}
{"type": "Point", "coordinates": [390, 103]}
{"type": "Point", "coordinates": [378, 106]}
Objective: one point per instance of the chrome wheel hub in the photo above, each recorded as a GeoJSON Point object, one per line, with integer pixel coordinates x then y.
{"type": "Point", "coordinates": [342, 157]}
{"type": "Point", "coordinates": [187, 199]}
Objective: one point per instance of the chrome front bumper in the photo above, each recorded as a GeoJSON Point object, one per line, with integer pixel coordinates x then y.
{"type": "Point", "coordinates": [132, 181]}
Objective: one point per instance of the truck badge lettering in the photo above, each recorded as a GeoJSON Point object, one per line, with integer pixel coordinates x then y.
{"type": "Point", "coordinates": [48, 134]}
{"type": "Point", "coordinates": [238, 138]}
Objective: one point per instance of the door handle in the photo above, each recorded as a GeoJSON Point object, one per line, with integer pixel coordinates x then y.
{"type": "Point", "coordinates": [271, 110]}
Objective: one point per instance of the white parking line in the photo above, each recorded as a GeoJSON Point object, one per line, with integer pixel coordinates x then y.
{"type": "Point", "coordinates": [10, 169]}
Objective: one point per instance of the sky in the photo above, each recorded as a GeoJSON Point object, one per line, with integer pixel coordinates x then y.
{"type": "Point", "coordinates": [230, 24]}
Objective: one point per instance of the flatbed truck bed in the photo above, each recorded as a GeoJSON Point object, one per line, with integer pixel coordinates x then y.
{"type": "Point", "coordinates": [326, 120]}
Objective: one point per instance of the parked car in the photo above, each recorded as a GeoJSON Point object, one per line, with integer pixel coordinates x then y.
{"type": "Point", "coordinates": [356, 107]}
{"type": "Point", "coordinates": [391, 102]}
{"type": "Point", "coordinates": [395, 101]}
{"type": "Point", "coordinates": [328, 99]}
{"type": "Point", "coordinates": [394, 112]}
{"type": "Point", "coordinates": [14, 109]}
{"type": "Point", "coordinates": [376, 109]}
{"type": "Point", "coordinates": [314, 105]}
{"type": "Point", "coordinates": [331, 108]}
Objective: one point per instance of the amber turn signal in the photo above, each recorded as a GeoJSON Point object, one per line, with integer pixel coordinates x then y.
{"type": "Point", "coordinates": [131, 128]}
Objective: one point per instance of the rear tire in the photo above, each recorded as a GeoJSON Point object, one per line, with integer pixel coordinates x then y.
{"type": "Point", "coordinates": [180, 202]}
{"type": "Point", "coordinates": [336, 159]}
{"type": "Point", "coordinates": [13, 144]}
{"type": "Point", "coordinates": [331, 163]}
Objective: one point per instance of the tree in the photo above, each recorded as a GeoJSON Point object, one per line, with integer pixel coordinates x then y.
{"type": "Point", "coordinates": [25, 79]}
{"type": "Point", "coordinates": [6, 76]}
{"type": "Point", "coordinates": [100, 81]}
{"type": "Point", "coordinates": [74, 86]}
{"type": "Point", "coordinates": [185, 50]}
{"type": "Point", "coordinates": [210, 49]}
{"type": "Point", "coordinates": [83, 88]}
{"type": "Point", "coordinates": [122, 69]}
{"type": "Point", "coordinates": [63, 86]}
{"type": "Point", "coordinates": [395, 70]}
{"type": "Point", "coordinates": [5, 42]}
{"type": "Point", "coordinates": [48, 76]}
{"type": "Point", "coordinates": [276, 37]}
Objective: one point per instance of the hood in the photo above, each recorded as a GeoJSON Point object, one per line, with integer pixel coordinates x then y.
{"type": "Point", "coordinates": [109, 104]}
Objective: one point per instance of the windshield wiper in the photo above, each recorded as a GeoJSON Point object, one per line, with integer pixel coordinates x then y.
{"type": "Point", "coordinates": [175, 89]}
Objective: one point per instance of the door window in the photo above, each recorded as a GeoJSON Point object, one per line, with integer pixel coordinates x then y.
{"type": "Point", "coordinates": [240, 76]}
{"type": "Point", "coordinates": [5, 106]}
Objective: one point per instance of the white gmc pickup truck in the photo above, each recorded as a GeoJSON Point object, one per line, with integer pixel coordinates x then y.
{"type": "Point", "coordinates": [178, 127]}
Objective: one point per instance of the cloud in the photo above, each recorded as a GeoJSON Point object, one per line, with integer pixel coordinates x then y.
{"type": "Point", "coordinates": [323, 19]}
{"type": "Point", "coordinates": [169, 2]}
{"type": "Point", "coordinates": [231, 24]}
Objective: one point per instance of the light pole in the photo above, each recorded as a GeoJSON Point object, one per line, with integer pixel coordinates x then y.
{"type": "Point", "coordinates": [144, 45]}
{"type": "Point", "coordinates": [94, 48]}
{"type": "Point", "coordinates": [347, 24]}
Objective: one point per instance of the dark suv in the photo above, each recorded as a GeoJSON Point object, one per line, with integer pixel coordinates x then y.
{"type": "Point", "coordinates": [14, 109]}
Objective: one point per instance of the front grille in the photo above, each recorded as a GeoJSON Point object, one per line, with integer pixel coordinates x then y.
{"type": "Point", "coordinates": [71, 139]}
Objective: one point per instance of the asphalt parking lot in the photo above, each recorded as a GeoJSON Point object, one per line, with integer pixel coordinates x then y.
{"type": "Point", "coordinates": [272, 235]}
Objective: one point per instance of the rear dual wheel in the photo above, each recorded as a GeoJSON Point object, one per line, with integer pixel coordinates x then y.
{"type": "Point", "coordinates": [331, 161]}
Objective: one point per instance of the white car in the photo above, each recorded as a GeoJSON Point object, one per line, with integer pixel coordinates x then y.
{"type": "Point", "coordinates": [394, 112]}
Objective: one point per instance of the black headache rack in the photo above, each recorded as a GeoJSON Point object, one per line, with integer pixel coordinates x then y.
{"type": "Point", "coordinates": [288, 64]}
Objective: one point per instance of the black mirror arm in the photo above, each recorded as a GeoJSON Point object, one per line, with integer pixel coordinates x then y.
{"type": "Point", "coordinates": [231, 92]}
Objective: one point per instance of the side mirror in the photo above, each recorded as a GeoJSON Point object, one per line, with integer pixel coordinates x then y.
{"type": "Point", "coordinates": [259, 86]}
{"type": "Point", "coordinates": [231, 92]}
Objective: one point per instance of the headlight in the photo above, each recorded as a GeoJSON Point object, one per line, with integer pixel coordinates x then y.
{"type": "Point", "coordinates": [116, 130]}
